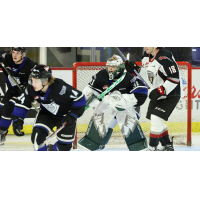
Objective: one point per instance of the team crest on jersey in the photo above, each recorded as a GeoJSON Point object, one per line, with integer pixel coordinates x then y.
{"type": "Point", "coordinates": [105, 87]}
{"type": "Point", "coordinates": [151, 76]}
{"type": "Point", "coordinates": [63, 90]}
{"type": "Point", "coordinates": [36, 97]}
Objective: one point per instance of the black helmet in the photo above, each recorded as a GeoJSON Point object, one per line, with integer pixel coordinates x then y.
{"type": "Point", "coordinates": [42, 72]}
{"type": "Point", "coordinates": [22, 49]}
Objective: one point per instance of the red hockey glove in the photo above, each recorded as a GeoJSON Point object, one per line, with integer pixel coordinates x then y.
{"type": "Point", "coordinates": [156, 93]}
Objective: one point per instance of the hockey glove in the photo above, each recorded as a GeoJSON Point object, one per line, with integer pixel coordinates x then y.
{"type": "Point", "coordinates": [21, 90]}
{"type": "Point", "coordinates": [69, 119]}
{"type": "Point", "coordinates": [157, 93]}
{"type": "Point", "coordinates": [17, 126]}
{"type": "Point", "coordinates": [130, 66]}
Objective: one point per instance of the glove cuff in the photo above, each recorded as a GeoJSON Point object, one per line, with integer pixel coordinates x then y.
{"type": "Point", "coordinates": [161, 90]}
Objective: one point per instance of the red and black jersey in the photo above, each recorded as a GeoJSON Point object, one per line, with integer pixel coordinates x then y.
{"type": "Point", "coordinates": [162, 69]}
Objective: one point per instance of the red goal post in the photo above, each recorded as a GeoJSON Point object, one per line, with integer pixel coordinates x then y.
{"type": "Point", "coordinates": [180, 121]}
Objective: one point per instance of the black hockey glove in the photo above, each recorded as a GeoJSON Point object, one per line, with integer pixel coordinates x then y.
{"type": "Point", "coordinates": [69, 119]}
{"type": "Point", "coordinates": [130, 66]}
{"type": "Point", "coordinates": [17, 126]}
{"type": "Point", "coordinates": [21, 90]}
{"type": "Point", "coordinates": [156, 93]}
{"type": "Point", "coordinates": [1, 57]}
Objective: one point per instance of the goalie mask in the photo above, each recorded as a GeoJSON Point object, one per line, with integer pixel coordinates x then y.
{"type": "Point", "coordinates": [114, 61]}
{"type": "Point", "coordinates": [42, 72]}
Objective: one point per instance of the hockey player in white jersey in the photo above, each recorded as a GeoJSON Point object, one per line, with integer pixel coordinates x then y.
{"type": "Point", "coordinates": [118, 106]}
{"type": "Point", "coordinates": [160, 68]}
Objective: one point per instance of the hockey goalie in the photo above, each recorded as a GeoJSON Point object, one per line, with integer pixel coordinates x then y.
{"type": "Point", "coordinates": [125, 93]}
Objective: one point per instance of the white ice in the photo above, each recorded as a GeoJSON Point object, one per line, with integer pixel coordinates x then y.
{"type": "Point", "coordinates": [14, 143]}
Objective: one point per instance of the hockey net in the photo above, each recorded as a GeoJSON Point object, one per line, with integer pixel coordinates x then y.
{"type": "Point", "coordinates": [179, 123]}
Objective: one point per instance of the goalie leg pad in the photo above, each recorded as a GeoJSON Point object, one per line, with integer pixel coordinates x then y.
{"type": "Point", "coordinates": [92, 140]}
{"type": "Point", "coordinates": [136, 140]}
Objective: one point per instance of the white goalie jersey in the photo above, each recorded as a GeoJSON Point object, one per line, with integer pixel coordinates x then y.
{"type": "Point", "coordinates": [162, 70]}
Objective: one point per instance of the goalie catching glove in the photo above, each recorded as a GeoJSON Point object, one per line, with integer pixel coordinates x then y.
{"type": "Point", "coordinates": [157, 93]}
{"type": "Point", "coordinates": [17, 126]}
{"type": "Point", "coordinates": [122, 102]}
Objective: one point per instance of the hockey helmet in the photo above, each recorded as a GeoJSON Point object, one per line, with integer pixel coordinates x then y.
{"type": "Point", "coordinates": [42, 72]}
{"type": "Point", "coordinates": [117, 61]}
{"type": "Point", "coordinates": [21, 49]}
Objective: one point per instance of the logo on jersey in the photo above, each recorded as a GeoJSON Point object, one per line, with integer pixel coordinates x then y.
{"type": "Point", "coordinates": [75, 94]}
{"type": "Point", "coordinates": [12, 82]}
{"type": "Point", "coordinates": [36, 97]}
{"type": "Point", "coordinates": [151, 76]}
{"type": "Point", "coordinates": [63, 90]}
{"type": "Point", "coordinates": [52, 107]}
{"type": "Point", "coordinates": [164, 57]}
{"type": "Point", "coordinates": [105, 87]}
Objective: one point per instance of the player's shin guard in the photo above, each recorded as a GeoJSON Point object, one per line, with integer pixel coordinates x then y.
{"type": "Point", "coordinates": [92, 140]}
{"type": "Point", "coordinates": [135, 140]}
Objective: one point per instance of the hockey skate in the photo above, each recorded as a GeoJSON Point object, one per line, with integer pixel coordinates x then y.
{"type": "Point", "coordinates": [3, 137]}
{"type": "Point", "coordinates": [150, 148]}
{"type": "Point", "coordinates": [167, 147]}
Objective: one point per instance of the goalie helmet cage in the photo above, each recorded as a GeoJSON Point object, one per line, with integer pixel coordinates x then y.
{"type": "Point", "coordinates": [179, 123]}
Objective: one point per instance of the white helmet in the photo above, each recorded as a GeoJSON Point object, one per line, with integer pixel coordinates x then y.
{"type": "Point", "coordinates": [115, 60]}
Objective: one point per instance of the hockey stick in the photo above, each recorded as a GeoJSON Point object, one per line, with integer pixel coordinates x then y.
{"type": "Point", "coordinates": [110, 88]}
{"type": "Point", "coordinates": [17, 84]}
{"type": "Point", "coordinates": [143, 81]}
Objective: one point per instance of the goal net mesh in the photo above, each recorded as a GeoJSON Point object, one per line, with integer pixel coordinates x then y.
{"type": "Point", "coordinates": [177, 123]}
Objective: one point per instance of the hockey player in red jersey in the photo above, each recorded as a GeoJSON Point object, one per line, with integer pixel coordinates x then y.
{"type": "Point", "coordinates": [160, 68]}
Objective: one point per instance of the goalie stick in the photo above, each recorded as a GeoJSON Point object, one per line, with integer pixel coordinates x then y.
{"type": "Point", "coordinates": [17, 84]}
{"type": "Point", "coordinates": [137, 74]}
{"type": "Point", "coordinates": [110, 88]}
